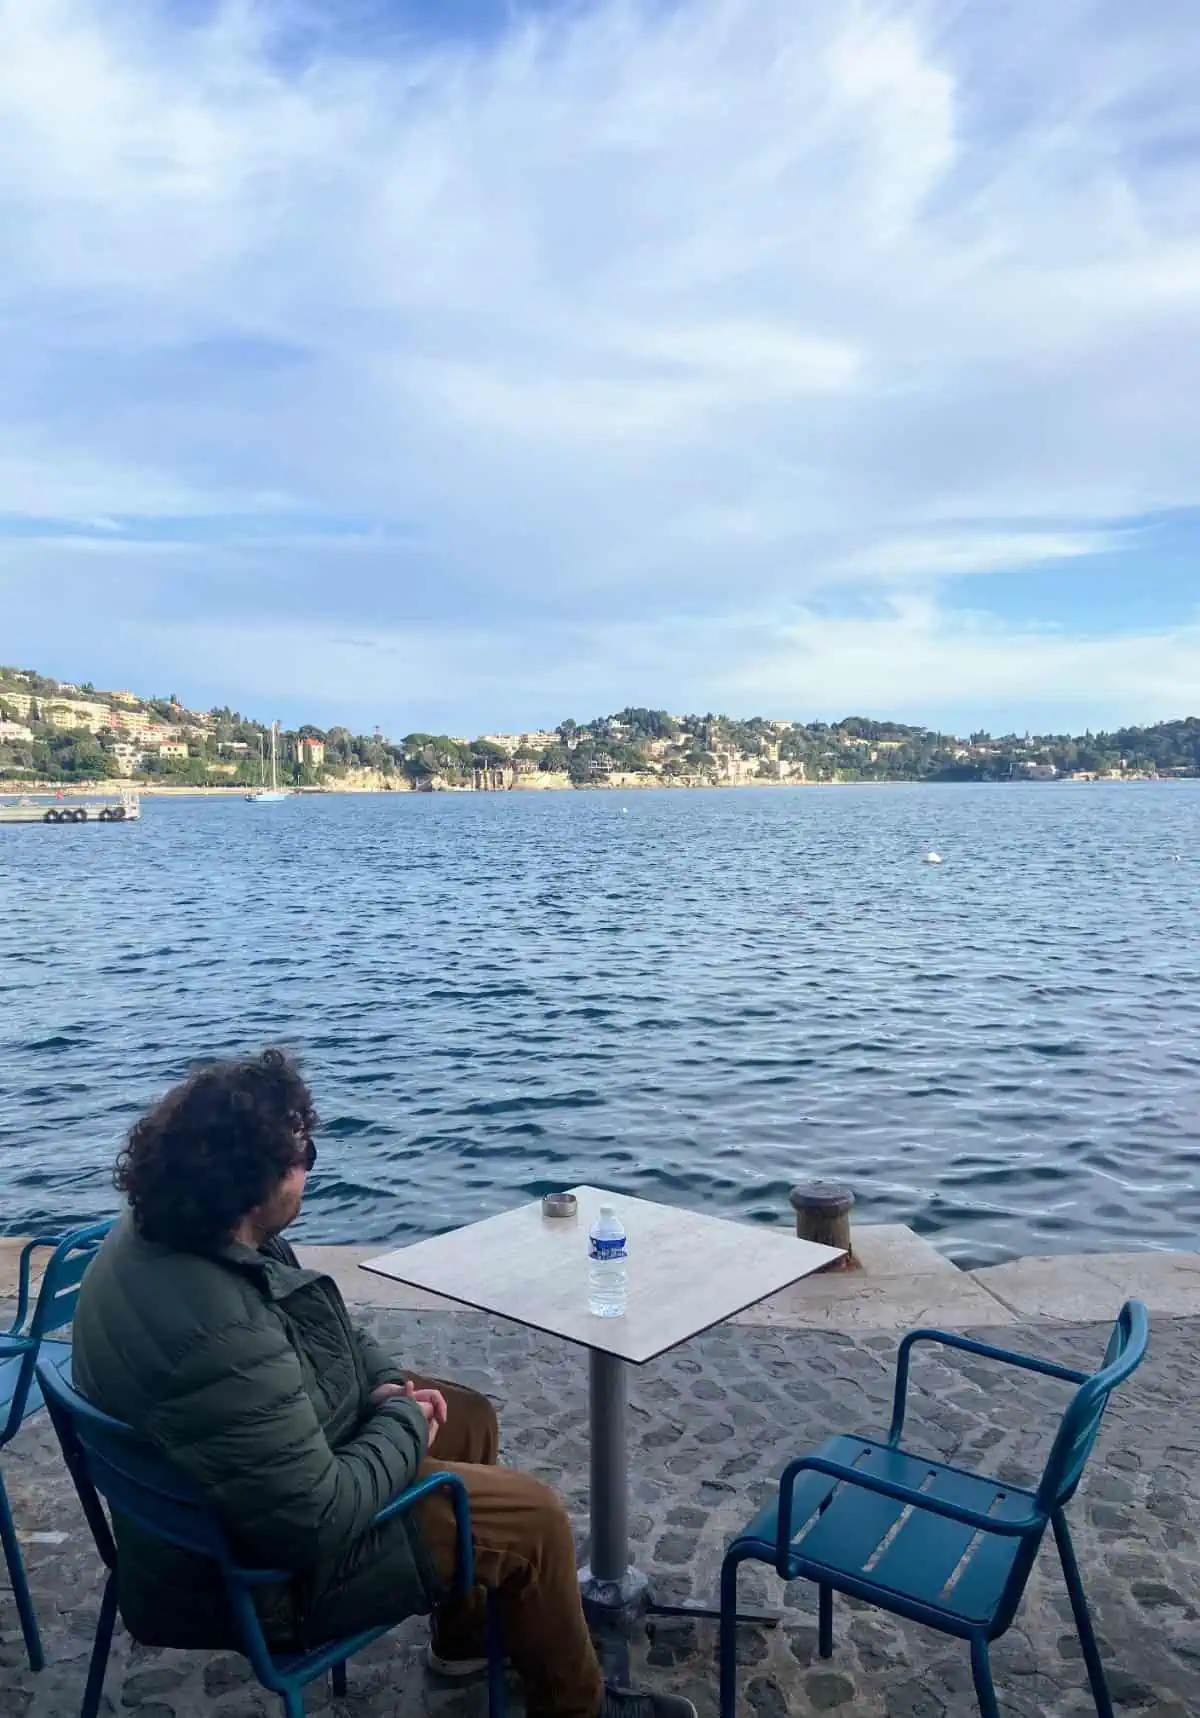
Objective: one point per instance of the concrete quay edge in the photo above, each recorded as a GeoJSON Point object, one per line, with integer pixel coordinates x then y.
{"type": "Point", "coordinates": [903, 1281]}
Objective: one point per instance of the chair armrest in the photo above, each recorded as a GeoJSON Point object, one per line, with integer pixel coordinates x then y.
{"type": "Point", "coordinates": [465, 1570]}
{"type": "Point", "coordinates": [887, 1488]}
{"type": "Point", "coordinates": [24, 1272]}
{"type": "Point", "coordinates": [966, 1345]}
{"type": "Point", "coordinates": [436, 1482]}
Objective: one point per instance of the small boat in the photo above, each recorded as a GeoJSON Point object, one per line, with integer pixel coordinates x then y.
{"type": "Point", "coordinates": [933, 858]}
{"type": "Point", "coordinates": [265, 795]}
{"type": "Point", "coordinates": [122, 807]}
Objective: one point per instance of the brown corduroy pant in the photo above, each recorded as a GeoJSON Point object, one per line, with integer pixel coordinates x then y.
{"type": "Point", "coordinates": [524, 1553]}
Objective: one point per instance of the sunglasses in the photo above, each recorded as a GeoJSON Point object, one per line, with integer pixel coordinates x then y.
{"type": "Point", "coordinates": [309, 1156]}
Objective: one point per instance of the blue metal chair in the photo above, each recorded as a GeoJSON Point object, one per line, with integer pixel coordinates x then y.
{"type": "Point", "coordinates": [107, 1460]}
{"type": "Point", "coordinates": [936, 1544]}
{"type": "Point", "coordinates": [20, 1396]}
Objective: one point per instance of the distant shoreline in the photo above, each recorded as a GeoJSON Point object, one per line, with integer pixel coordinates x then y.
{"type": "Point", "coordinates": [654, 784]}
{"type": "Point", "coordinates": [162, 746]}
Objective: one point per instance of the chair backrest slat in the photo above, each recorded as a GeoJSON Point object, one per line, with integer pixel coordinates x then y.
{"type": "Point", "coordinates": [1080, 1425]}
{"type": "Point", "coordinates": [59, 1292]}
{"type": "Point", "coordinates": [149, 1493]}
{"type": "Point", "coordinates": [55, 1307]}
{"type": "Point", "coordinates": [108, 1460]}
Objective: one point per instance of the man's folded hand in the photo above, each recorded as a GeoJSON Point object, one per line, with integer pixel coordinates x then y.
{"type": "Point", "coordinates": [431, 1403]}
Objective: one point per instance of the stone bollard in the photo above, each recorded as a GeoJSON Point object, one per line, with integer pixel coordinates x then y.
{"type": "Point", "coordinates": [823, 1215]}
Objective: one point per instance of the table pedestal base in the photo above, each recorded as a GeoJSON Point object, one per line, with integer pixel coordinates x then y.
{"type": "Point", "coordinates": [616, 1596]}
{"type": "Point", "coordinates": [614, 1604]}
{"type": "Point", "coordinates": [624, 1603]}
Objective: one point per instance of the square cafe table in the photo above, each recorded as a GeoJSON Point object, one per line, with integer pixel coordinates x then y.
{"type": "Point", "coordinates": [686, 1273]}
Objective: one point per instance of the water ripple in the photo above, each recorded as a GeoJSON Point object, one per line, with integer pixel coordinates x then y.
{"type": "Point", "coordinates": [704, 1000]}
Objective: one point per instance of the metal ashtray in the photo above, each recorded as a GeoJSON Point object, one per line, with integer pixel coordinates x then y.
{"type": "Point", "coordinates": [560, 1205]}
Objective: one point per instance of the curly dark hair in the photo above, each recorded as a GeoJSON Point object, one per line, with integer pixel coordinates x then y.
{"type": "Point", "coordinates": [215, 1147]}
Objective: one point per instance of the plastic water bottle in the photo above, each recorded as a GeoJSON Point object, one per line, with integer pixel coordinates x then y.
{"type": "Point", "coordinates": [608, 1265]}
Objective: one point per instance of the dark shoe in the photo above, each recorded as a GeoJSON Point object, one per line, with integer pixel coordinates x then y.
{"type": "Point", "coordinates": [442, 1659]}
{"type": "Point", "coordinates": [454, 1669]}
{"type": "Point", "coordinates": [629, 1703]}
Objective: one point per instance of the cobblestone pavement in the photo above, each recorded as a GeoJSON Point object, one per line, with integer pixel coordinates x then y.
{"type": "Point", "coordinates": [712, 1426]}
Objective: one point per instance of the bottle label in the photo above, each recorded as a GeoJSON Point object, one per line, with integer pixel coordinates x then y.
{"type": "Point", "coordinates": [606, 1248]}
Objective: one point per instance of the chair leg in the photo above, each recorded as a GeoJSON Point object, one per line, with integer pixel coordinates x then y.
{"type": "Point", "coordinates": [494, 1634]}
{"type": "Point", "coordinates": [728, 1634]}
{"type": "Point", "coordinates": [100, 1650]}
{"type": "Point", "coordinates": [293, 1703]}
{"type": "Point", "coordinates": [20, 1586]}
{"type": "Point", "coordinates": [981, 1669]}
{"type": "Point", "coordinates": [1083, 1619]}
{"type": "Point", "coordinates": [339, 1680]}
{"type": "Point", "coordinates": [825, 1621]}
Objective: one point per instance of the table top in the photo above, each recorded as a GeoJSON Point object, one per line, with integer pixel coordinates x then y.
{"type": "Point", "coordinates": [686, 1272]}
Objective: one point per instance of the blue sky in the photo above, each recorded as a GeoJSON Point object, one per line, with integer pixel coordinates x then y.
{"type": "Point", "coordinates": [478, 363]}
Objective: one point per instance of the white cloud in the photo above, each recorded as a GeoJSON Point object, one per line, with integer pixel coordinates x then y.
{"type": "Point", "coordinates": [725, 304]}
{"type": "Point", "coordinates": [930, 664]}
{"type": "Point", "coordinates": [951, 555]}
{"type": "Point", "coordinates": [913, 659]}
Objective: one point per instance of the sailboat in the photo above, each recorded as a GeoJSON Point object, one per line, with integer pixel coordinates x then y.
{"type": "Point", "coordinates": [268, 795]}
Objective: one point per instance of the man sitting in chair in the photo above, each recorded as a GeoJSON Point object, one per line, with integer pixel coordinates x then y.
{"type": "Point", "coordinates": [197, 1326]}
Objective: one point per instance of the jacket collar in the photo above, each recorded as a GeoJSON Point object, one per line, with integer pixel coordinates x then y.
{"type": "Point", "coordinates": [273, 1267]}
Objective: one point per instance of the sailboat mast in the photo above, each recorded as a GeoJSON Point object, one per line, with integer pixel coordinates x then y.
{"type": "Point", "coordinates": [274, 773]}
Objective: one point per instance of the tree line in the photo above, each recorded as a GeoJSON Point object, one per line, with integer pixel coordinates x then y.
{"type": "Point", "coordinates": [635, 740]}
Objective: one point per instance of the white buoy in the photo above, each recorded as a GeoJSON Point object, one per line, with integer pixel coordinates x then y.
{"type": "Point", "coordinates": [933, 858]}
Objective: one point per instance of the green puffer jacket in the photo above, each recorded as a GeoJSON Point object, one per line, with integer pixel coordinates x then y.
{"type": "Point", "coordinates": [246, 1372]}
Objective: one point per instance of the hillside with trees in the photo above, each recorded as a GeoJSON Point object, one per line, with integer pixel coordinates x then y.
{"type": "Point", "coordinates": [59, 732]}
